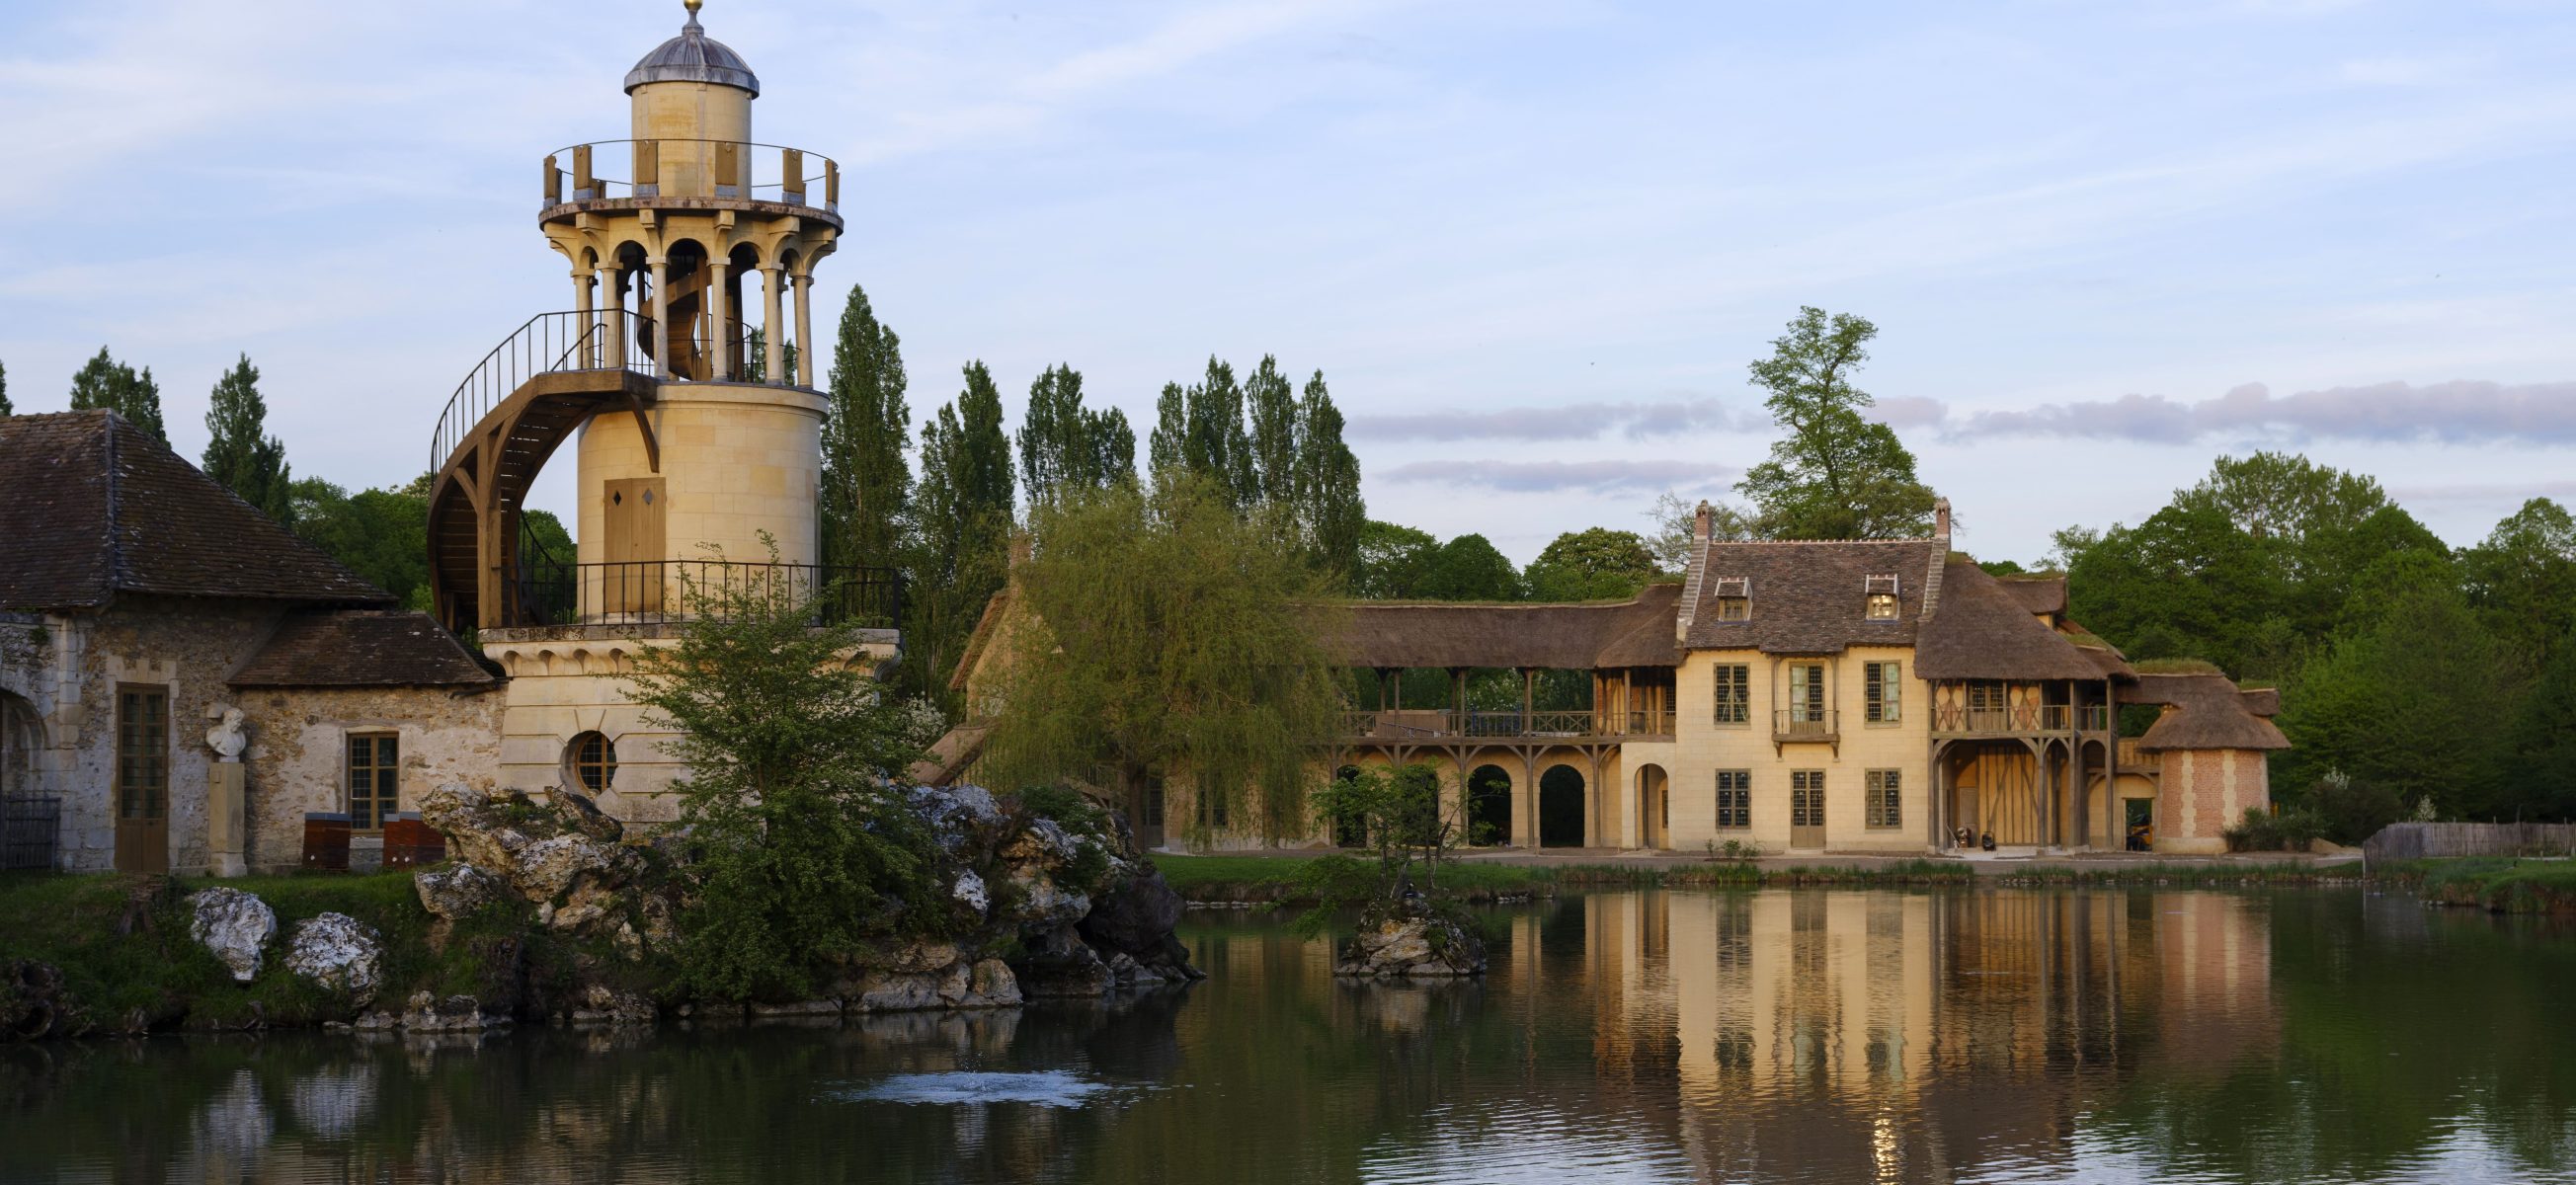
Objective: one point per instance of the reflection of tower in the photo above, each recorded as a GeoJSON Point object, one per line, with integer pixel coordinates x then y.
{"type": "Point", "coordinates": [686, 369]}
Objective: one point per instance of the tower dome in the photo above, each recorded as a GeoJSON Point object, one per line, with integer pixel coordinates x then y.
{"type": "Point", "coordinates": [694, 57]}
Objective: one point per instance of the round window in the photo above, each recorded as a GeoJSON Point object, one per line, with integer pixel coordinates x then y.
{"type": "Point", "coordinates": [593, 760]}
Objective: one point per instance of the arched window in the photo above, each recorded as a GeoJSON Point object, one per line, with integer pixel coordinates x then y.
{"type": "Point", "coordinates": [592, 762]}
{"type": "Point", "coordinates": [18, 742]}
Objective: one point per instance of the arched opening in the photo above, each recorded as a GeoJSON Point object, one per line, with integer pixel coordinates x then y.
{"type": "Point", "coordinates": [1489, 806]}
{"type": "Point", "coordinates": [1560, 808]}
{"type": "Point", "coordinates": [1654, 807]}
{"type": "Point", "coordinates": [687, 273]}
{"type": "Point", "coordinates": [1349, 831]}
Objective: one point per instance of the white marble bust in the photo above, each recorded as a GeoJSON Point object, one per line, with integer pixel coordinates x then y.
{"type": "Point", "coordinates": [226, 737]}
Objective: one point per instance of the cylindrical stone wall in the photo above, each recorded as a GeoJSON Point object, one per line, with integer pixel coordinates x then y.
{"type": "Point", "coordinates": [737, 460]}
{"type": "Point", "coordinates": [687, 119]}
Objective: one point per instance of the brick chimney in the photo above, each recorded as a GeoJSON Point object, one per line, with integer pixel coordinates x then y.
{"type": "Point", "coordinates": [1941, 519]}
{"type": "Point", "coordinates": [1700, 523]}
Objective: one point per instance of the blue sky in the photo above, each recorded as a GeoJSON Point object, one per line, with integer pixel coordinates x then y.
{"type": "Point", "coordinates": [1532, 243]}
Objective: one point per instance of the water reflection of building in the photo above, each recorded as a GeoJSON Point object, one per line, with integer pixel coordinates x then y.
{"type": "Point", "coordinates": [1901, 1036]}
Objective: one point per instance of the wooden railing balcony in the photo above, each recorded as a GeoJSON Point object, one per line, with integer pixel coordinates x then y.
{"type": "Point", "coordinates": [2093, 718]}
{"type": "Point", "coordinates": [2008, 721]}
{"type": "Point", "coordinates": [1790, 725]}
{"type": "Point", "coordinates": [725, 170]}
{"type": "Point", "coordinates": [1435, 724]}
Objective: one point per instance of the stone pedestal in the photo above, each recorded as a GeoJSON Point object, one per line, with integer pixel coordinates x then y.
{"type": "Point", "coordinates": [226, 825]}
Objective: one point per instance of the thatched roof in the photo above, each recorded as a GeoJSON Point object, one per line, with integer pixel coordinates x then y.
{"type": "Point", "coordinates": [1808, 597]}
{"type": "Point", "coordinates": [2038, 593]}
{"type": "Point", "coordinates": [1982, 630]}
{"type": "Point", "coordinates": [1634, 633]}
{"type": "Point", "coordinates": [2208, 713]}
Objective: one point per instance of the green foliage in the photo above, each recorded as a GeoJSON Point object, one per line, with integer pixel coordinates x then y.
{"type": "Point", "coordinates": [1065, 805]}
{"type": "Point", "coordinates": [2522, 579]}
{"type": "Point", "coordinates": [1325, 491]}
{"type": "Point", "coordinates": [1394, 561]}
{"type": "Point", "coordinates": [1199, 434]}
{"type": "Point", "coordinates": [5, 409]}
{"type": "Point", "coordinates": [240, 455]}
{"type": "Point", "coordinates": [2349, 811]}
{"type": "Point", "coordinates": [1398, 815]}
{"type": "Point", "coordinates": [755, 363]}
{"type": "Point", "coordinates": [1167, 637]}
{"type": "Point", "coordinates": [2409, 704]}
{"type": "Point", "coordinates": [105, 383]}
{"type": "Point", "coordinates": [803, 855]}
{"type": "Point", "coordinates": [1062, 444]}
{"type": "Point", "coordinates": [1833, 474]}
{"type": "Point", "coordinates": [2263, 831]}
{"type": "Point", "coordinates": [2538, 756]}
{"type": "Point", "coordinates": [382, 535]}
{"type": "Point", "coordinates": [960, 551]}
{"type": "Point", "coordinates": [1267, 454]}
{"type": "Point", "coordinates": [867, 487]}
{"type": "Point", "coordinates": [1468, 568]}
{"type": "Point", "coordinates": [1590, 565]}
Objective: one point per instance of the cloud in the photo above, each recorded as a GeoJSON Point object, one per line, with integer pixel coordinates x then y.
{"type": "Point", "coordinates": [2459, 412]}
{"type": "Point", "coordinates": [1567, 421]}
{"type": "Point", "coordinates": [1909, 411]}
{"type": "Point", "coordinates": [1554, 477]}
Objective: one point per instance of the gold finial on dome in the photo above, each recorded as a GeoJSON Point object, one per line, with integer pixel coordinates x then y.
{"type": "Point", "coordinates": [693, 5]}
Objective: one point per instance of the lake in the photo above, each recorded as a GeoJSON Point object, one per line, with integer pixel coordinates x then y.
{"type": "Point", "coordinates": [1779, 1035]}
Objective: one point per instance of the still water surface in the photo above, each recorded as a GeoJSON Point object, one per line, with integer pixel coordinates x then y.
{"type": "Point", "coordinates": [1811, 1035]}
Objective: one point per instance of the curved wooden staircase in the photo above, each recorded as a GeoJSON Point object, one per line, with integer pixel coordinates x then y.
{"type": "Point", "coordinates": [522, 402]}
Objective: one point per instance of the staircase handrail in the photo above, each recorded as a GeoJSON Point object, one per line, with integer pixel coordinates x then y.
{"type": "Point", "coordinates": [533, 350]}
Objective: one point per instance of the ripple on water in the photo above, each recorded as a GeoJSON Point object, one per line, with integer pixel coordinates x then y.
{"type": "Point", "coordinates": [1041, 1088]}
{"type": "Point", "coordinates": [1543, 1145]}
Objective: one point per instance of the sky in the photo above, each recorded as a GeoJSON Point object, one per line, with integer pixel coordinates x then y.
{"type": "Point", "coordinates": [1532, 244]}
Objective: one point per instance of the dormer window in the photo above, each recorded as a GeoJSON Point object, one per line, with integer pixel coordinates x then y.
{"type": "Point", "coordinates": [1880, 593]}
{"type": "Point", "coordinates": [1734, 598]}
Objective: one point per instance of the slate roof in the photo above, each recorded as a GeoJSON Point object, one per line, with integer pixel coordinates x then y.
{"type": "Point", "coordinates": [1982, 630]}
{"type": "Point", "coordinates": [1809, 597]}
{"type": "Point", "coordinates": [1634, 633]}
{"type": "Point", "coordinates": [2209, 713]}
{"type": "Point", "coordinates": [91, 507]}
{"type": "Point", "coordinates": [694, 57]}
{"type": "Point", "coordinates": [362, 648]}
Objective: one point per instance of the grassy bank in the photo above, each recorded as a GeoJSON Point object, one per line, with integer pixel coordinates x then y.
{"type": "Point", "coordinates": [129, 963]}
{"type": "Point", "coordinates": [2502, 884]}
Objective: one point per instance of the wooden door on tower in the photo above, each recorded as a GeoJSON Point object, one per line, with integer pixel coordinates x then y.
{"type": "Point", "coordinates": [633, 579]}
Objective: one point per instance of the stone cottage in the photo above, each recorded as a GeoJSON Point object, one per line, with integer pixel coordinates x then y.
{"type": "Point", "coordinates": [151, 623]}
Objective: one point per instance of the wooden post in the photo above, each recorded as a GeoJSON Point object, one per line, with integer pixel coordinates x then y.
{"type": "Point", "coordinates": [584, 185]}
{"type": "Point", "coordinates": [648, 167]}
{"type": "Point", "coordinates": [554, 183]}
{"type": "Point", "coordinates": [728, 169]}
{"type": "Point", "coordinates": [791, 182]}
{"type": "Point", "coordinates": [831, 184]}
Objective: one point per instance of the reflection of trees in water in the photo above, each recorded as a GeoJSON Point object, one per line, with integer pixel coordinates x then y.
{"type": "Point", "coordinates": [1814, 1035]}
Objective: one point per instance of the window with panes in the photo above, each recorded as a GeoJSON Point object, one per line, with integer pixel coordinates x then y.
{"type": "Point", "coordinates": [1734, 799]}
{"type": "Point", "coordinates": [1884, 789]}
{"type": "Point", "coordinates": [375, 779]}
{"type": "Point", "coordinates": [1807, 798]}
{"type": "Point", "coordinates": [1807, 692]}
{"type": "Point", "coordinates": [1734, 693]}
{"type": "Point", "coordinates": [142, 752]}
{"type": "Point", "coordinates": [1883, 695]}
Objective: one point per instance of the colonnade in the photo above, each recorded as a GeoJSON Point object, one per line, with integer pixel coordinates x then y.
{"type": "Point", "coordinates": [605, 297]}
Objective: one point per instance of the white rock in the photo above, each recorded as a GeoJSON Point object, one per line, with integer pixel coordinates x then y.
{"type": "Point", "coordinates": [970, 889]}
{"type": "Point", "coordinates": [340, 951]}
{"type": "Point", "coordinates": [235, 925]}
{"type": "Point", "coordinates": [547, 868]}
{"type": "Point", "coordinates": [458, 890]}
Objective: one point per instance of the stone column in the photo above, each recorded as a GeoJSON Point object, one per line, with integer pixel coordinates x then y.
{"type": "Point", "coordinates": [586, 328]}
{"type": "Point", "coordinates": [773, 324]}
{"type": "Point", "coordinates": [661, 316]}
{"type": "Point", "coordinates": [616, 319]}
{"type": "Point", "coordinates": [804, 331]}
{"type": "Point", "coordinates": [720, 304]}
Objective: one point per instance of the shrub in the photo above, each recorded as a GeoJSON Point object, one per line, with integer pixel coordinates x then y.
{"type": "Point", "coordinates": [2262, 831]}
{"type": "Point", "coordinates": [2351, 811]}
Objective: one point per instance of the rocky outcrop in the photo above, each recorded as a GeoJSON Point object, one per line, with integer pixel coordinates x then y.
{"type": "Point", "coordinates": [459, 891]}
{"type": "Point", "coordinates": [1412, 941]}
{"type": "Point", "coordinates": [338, 951]}
{"type": "Point", "coordinates": [1133, 921]}
{"type": "Point", "coordinates": [235, 926]}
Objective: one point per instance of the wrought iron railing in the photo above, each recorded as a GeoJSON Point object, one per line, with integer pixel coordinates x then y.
{"type": "Point", "coordinates": [1795, 723]}
{"type": "Point", "coordinates": [29, 826]}
{"type": "Point", "coordinates": [667, 592]}
{"type": "Point", "coordinates": [674, 167]}
{"type": "Point", "coordinates": [548, 343]}
{"type": "Point", "coordinates": [2017, 718]}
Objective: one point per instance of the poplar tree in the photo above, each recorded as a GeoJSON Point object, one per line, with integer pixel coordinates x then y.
{"type": "Point", "coordinates": [1066, 446]}
{"type": "Point", "coordinates": [962, 510]}
{"type": "Point", "coordinates": [4, 392]}
{"type": "Point", "coordinates": [1199, 432]}
{"type": "Point", "coordinates": [866, 484]}
{"type": "Point", "coordinates": [1270, 405]}
{"type": "Point", "coordinates": [1326, 486]}
{"type": "Point", "coordinates": [239, 453]}
{"type": "Point", "coordinates": [103, 383]}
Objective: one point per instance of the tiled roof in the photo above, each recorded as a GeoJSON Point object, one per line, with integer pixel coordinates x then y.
{"type": "Point", "coordinates": [91, 506]}
{"type": "Point", "coordinates": [362, 648]}
{"type": "Point", "coordinates": [1982, 630]}
{"type": "Point", "coordinates": [1636, 632]}
{"type": "Point", "coordinates": [1811, 597]}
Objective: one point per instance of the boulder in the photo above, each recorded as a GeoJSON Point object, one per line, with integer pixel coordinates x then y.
{"type": "Point", "coordinates": [1058, 965]}
{"type": "Point", "coordinates": [1135, 915]}
{"type": "Point", "coordinates": [459, 890]}
{"type": "Point", "coordinates": [235, 925]}
{"type": "Point", "coordinates": [898, 991]}
{"type": "Point", "coordinates": [990, 984]}
{"type": "Point", "coordinates": [451, 1014]}
{"type": "Point", "coordinates": [338, 951]}
{"type": "Point", "coordinates": [1042, 844]}
{"type": "Point", "coordinates": [477, 828]}
{"type": "Point", "coordinates": [600, 1004]}
{"type": "Point", "coordinates": [1415, 944]}
{"type": "Point", "coordinates": [547, 869]}
{"type": "Point", "coordinates": [956, 812]}
{"type": "Point", "coordinates": [969, 891]}
{"type": "Point", "coordinates": [1038, 903]}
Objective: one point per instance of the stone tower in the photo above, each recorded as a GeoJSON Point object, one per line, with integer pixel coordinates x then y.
{"type": "Point", "coordinates": [685, 371]}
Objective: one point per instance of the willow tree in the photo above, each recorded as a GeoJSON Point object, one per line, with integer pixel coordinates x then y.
{"type": "Point", "coordinates": [1165, 637]}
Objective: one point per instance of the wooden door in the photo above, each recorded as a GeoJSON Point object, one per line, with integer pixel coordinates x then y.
{"type": "Point", "coordinates": [1807, 808]}
{"type": "Point", "coordinates": [634, 579]}
{"type": "Point", "coordinates": [1147, 813]}
{"type": "Point", "coordinates": [142, 779]}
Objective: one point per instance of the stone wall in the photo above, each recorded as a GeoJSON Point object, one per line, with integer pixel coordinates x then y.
{"type": "Point", "coordinates": [298, 755]}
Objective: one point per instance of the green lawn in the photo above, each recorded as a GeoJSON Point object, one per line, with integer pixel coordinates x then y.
{"type": "Point", "coordinates": [2500, 883]}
